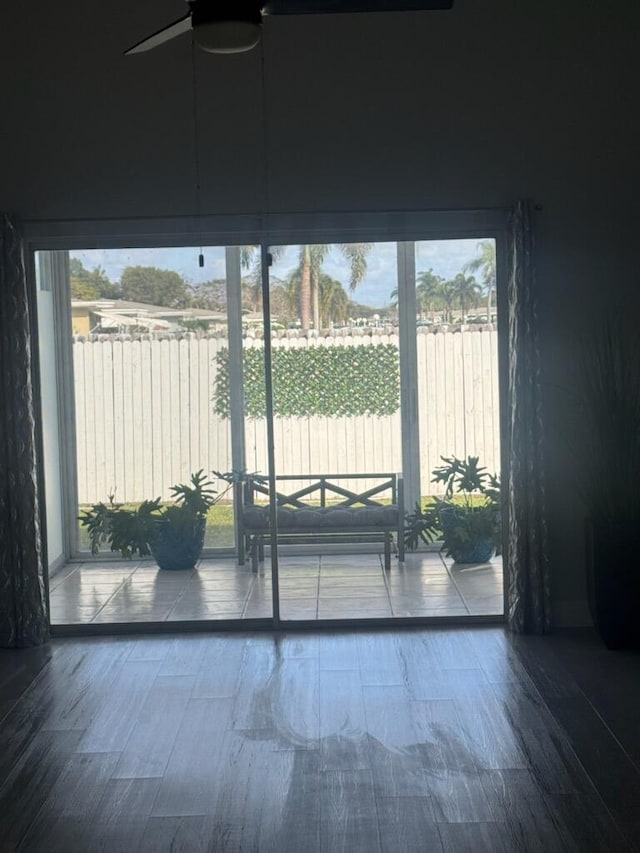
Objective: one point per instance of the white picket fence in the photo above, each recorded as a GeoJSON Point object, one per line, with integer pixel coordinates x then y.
{"type": "Point", "coordinates": [145, 414]}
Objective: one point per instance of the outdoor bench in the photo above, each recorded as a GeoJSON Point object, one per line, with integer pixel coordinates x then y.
{"type": "Point", "coordinates": [323, 511]}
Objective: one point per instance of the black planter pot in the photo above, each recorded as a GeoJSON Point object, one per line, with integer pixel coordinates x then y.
{"type": "Point", "coordinates": [178, 550]}
{"type": "Point", "coordinates": [613, 581]}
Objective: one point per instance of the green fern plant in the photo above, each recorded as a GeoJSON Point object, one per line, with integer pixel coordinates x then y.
{"type": "Point", "coordinates": [467, 517]}
{"type": "Point", "coordinates": [135, 531]}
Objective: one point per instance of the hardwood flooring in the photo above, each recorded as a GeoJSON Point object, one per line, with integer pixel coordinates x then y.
{"type": "Point", "coordinates": [381, 742]}
{"type": "Point", "coordinates": [318, 587]}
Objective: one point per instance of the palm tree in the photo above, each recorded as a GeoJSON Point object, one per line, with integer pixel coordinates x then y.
{"type": "Point", "coordinates": [334, 302]}
{"type": "Point", "coordinates": [428, 291]}
{"type": "Point", "coordinates": [318, 254]}
{"type": "Point", "coordinates": [311, 259]}
{"type": "Point", "coordinates": [447, 292]}
{"type": "Point", "coordinates": [466, 289]}
{"type": "Point", "coordinates": [485, 263]}
{"type": "Point", "coordinates": [290, 291]}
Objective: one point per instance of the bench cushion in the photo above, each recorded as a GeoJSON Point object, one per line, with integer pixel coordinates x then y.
{"type": "Point", "coordinates": [256, 518]}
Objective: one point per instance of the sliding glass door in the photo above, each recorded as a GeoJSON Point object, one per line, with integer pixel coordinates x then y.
{"type": "Point", "coordinates": [452, 412]}
{"type": "Point", "coordinates": [149, 345]}
{"type": "Point", "coordinates": [337, 436]}
{"type": "Point", "coordinates": [318, 397]}
{"type": "Point", "coordinates": [383, 364]}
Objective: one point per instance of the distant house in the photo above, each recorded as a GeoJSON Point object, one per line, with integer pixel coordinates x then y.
{"type": "Point", "coordinates": [119, 315]}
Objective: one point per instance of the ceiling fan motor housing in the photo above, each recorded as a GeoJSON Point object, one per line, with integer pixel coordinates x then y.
{"type": "Point", "coordinates": [209, 11]}
{"type": "Point", "coordinates": [227, 27]}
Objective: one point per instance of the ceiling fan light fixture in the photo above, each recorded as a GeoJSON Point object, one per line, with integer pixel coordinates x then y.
{"type": "Point", "coordinates": [227, 36]}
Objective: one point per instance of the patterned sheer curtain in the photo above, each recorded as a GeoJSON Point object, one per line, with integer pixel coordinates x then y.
{"type": "Point", "coordinates": [528, 592]}
{"type": "Point", "coordinates": [23, 614]}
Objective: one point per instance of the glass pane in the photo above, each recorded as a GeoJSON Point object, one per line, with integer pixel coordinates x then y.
{"type": "Point", "coordinates": [151, 381]}
{"type": "Point", "coordinates": [149, 327]}
{"type": "Point", "coordinates": [336, 387]}
{"type": "Point", "coordinates": [458, 418]}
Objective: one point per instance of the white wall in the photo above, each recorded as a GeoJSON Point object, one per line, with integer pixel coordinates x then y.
{"type": "Point", "coordinates": [467, 109]}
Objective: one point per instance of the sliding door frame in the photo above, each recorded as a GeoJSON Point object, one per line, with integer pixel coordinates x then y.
{"type": "Point", "coordinates": [402, 227]}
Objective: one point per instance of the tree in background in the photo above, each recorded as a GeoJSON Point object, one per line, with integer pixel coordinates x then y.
{"type": "Point", "coordinates": [210, 295]}
{"type": "Point", "coordinates": [155, 287]}
{"type": "Point", "coordinates": [333, 303]}
{"type": "Point", "coordinates": [447, 293]}
{"type": "Point", "coordinates": [288, 298]}
{"type": "Point", "coordinates": [435, 293]}
{"type": "Point", "coordinates": [90, 285]}
{"type": "Point", "coordinates": [312, 258]}
{"type": "Point", "coordinates": [428, 291]}
{"type": "Point", "coordinates": [284, 304]}
{"type": "Point", "coordinates": [485, 264]}
{"type": "Point", "coordinates": [83, 290]}
{"type": "Point", "coordinates": [466, 290]}
{"type": "Point", "coordinates": [252, 283]}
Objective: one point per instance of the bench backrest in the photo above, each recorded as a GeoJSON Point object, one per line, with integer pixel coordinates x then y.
{"type": "Point", "coordinates": [324, 490]}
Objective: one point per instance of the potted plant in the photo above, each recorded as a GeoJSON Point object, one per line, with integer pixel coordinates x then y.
{"type": "Point", "coordinates": [608, 462]}
{"type": "Point", "coordinates": [172, 533]}
{"type": "Point", "coordinates": [468, 518]}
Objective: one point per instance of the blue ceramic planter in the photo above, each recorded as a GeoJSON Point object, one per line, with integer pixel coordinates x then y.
{"type": "Point", "coordinates": [178, 551]}
{"type": "Point", "coordinates": [479, 551]}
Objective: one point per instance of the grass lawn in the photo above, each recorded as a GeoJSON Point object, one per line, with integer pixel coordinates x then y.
{"type": "Point", "coordinates": [219, 533]}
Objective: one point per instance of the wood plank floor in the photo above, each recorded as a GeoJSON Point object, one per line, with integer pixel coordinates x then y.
{"type": "Point", "coordinates": [353, 586]}
{"type": "Point", "coordinates": [414, 740]}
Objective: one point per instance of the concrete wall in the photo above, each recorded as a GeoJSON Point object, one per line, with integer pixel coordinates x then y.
{"type": "Point", "coordinates": [467, 109]}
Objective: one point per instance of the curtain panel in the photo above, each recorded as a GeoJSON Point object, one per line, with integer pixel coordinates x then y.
{"type": "Point", "coordinates": [528, 591]}
{"type": "Point", "coordinates": [23, 609]}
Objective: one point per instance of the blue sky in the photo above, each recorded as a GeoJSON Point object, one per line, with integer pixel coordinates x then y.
{"type": "Point", "coordinates": [445, 257]}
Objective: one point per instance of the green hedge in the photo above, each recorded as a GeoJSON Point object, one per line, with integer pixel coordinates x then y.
{"type": "Point", "coordinates": [326, 381]}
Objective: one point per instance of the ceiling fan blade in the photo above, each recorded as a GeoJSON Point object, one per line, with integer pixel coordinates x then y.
{"type": "Point", "coordinates": [320, 7]}
{"type": "Point", "coordinates": [161, 36]}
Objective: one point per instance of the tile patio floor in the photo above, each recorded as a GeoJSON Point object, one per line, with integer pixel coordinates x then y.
{"type": "Point", "coordinates": [318, 587]}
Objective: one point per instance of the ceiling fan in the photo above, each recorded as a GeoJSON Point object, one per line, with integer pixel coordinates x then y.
{"type": "Point", "coordinates": [233, 26]}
